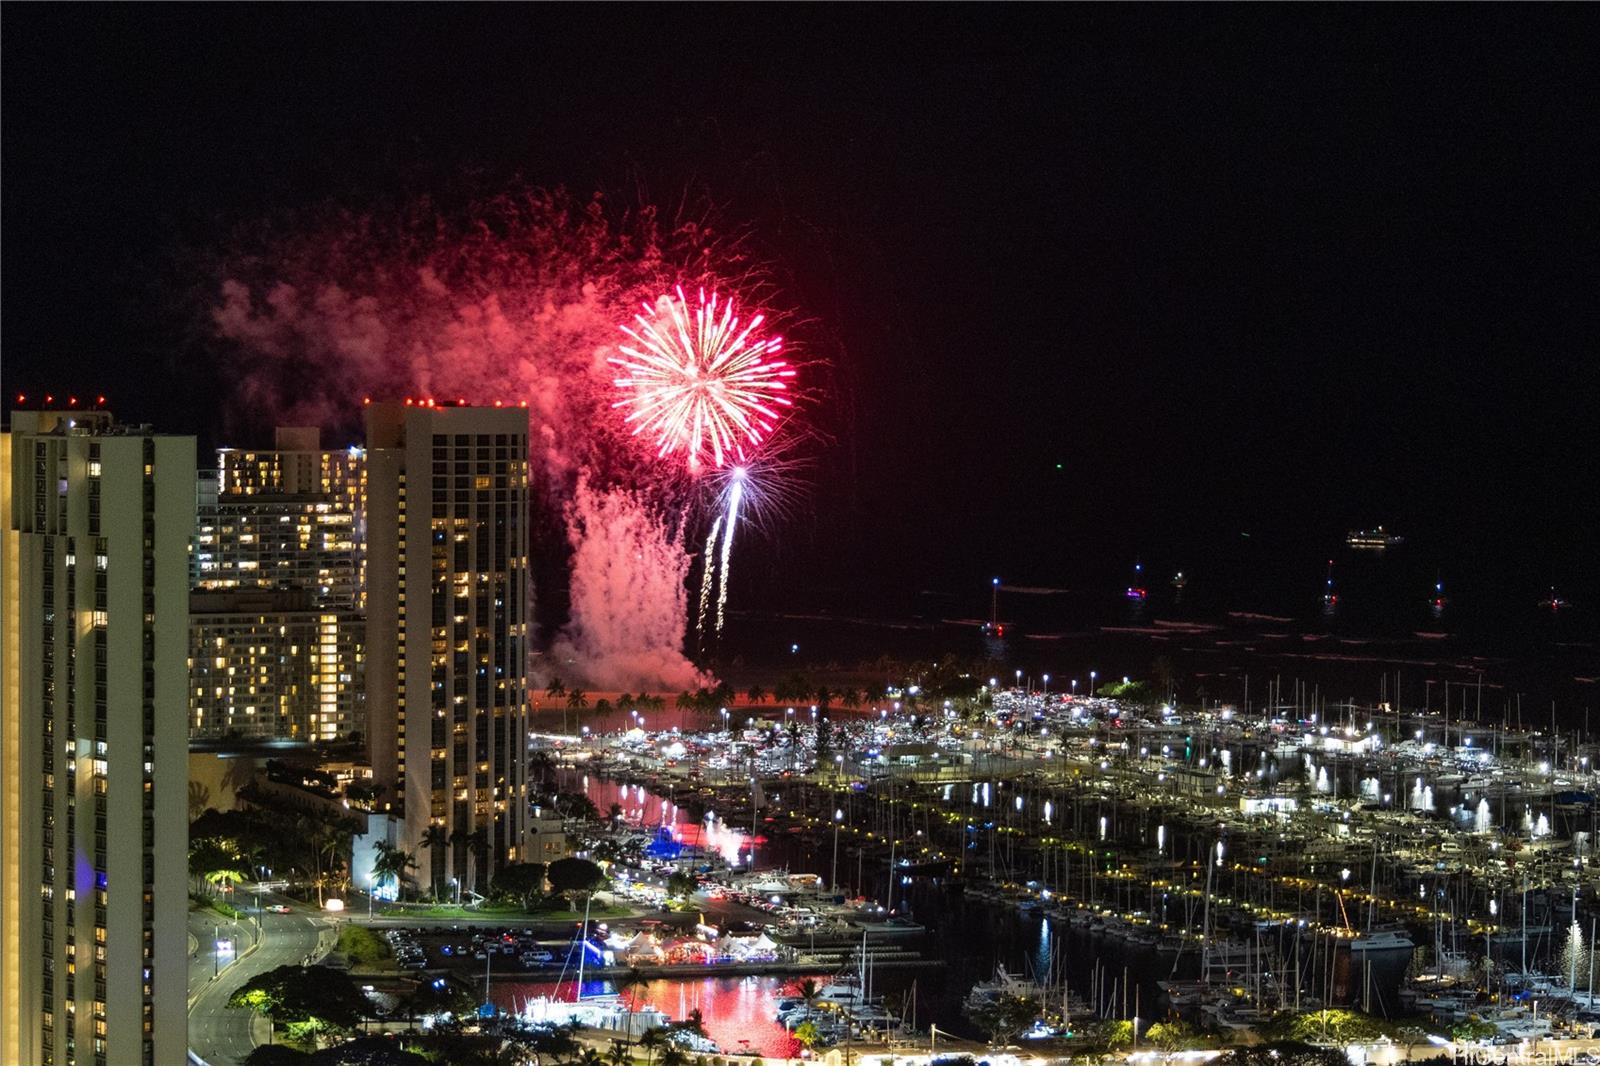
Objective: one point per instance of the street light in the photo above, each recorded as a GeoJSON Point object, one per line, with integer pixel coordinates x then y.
{"type": "Point", "coordinates": [1047, 684]}
{"type": "Point", "coordinates": [1092, 676]}
{"type": "Point", "coordinates": [838, 816]}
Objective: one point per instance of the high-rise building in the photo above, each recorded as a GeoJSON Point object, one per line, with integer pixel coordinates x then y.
{"type": "Point", "coordinates": [268, 663]}
{"type": "Point", "coordinates": [447, 626]}
{"type": "Point", "coordinates": [276, 632]}
{"type": "Point", "coordinates": [96, 525]}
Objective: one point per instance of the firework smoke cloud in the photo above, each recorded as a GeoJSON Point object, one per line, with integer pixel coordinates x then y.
{"type": "Point", "coordinates": [512, 298]}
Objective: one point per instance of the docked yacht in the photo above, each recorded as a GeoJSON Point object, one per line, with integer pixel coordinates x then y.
{"type": "Point", "coordinates": [1385, 938]}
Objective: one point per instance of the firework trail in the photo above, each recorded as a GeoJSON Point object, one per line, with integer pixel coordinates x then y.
{"type": "Point", "coordinates": [707, 578]}
{"type": "Point", "coordinates": [734, 496]}
{"type": "Point", "coordinates": [701, 381]}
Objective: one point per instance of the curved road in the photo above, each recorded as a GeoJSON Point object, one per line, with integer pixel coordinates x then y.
{"type": "Point", "coordinates": [222, 1037]}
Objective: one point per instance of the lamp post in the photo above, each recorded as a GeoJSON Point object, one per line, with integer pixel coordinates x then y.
{"type": "Point", "coordinates": [1092, 676]}
{"type": "Point", "coordinates": [838, 816]}
{"type": "Point", "coordinates": [1047, 684]}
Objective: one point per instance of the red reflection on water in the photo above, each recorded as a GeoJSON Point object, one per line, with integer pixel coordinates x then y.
{"type": "Point", "coordinates": [740, 1013]}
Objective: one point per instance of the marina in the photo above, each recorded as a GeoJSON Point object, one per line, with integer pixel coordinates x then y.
{"type": "Point", "coordinates": [1226, 867]}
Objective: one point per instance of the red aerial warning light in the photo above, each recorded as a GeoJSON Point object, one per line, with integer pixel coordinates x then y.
{"type": "Point", "coordinates": [100, 401]}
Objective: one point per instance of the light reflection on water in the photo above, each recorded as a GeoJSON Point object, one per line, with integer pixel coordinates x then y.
{"type": "Point", "coordinates": [967, 935]}
{"type": "Point", "coordinates": [643, 810]}
{"type": "Point", "coordinates": [740, 1013]}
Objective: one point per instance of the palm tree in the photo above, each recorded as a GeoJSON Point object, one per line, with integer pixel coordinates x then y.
{"type": "Point", "coordinates": [556, 689]}
{"type": "Point", "coordinates": [330, 841]}
{"type": "Point", "coordinates": [199, 799]}
{"type": "Point", "coordinates": [478, 849]}
{"type": "Point", "coordinates": [390, 864]}
{"type": "Point", "coordinates": [851, 698]}
{"type": "Point", "coordinates": [808, 991]}
{"type": "Point", "coordinates": [577, 700]}
{"type": "Point", "coordinates": [458, 844]}
{"type": "Point", "coordinates": [589, 1057]}
{"type": "Point", "coordinates": [619, 1055]}
{"type": "Point", "coordinates": [216, 864]}
{"type": "Point", "coordinates": [320, 838]}
{"type": "Point", "coordinates": [652, 1039]}
{"type": "Point", "coordinates": [794, 741]}
{"type": "Point", "coordinates": [673, 1055]}
{"type": "Point", "coordinates": [629, 984]}
{"type": "Point", "coordinates": [756, 694]}
{"type": "Point", "coordinates": [437, 840]}
{"type": "Point", "coordinates": [807, 1034]}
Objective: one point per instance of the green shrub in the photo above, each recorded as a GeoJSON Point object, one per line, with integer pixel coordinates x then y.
{"type": "Point", "coordinates": [361, 945]}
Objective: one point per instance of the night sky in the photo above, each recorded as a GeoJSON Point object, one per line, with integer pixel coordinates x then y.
{"type": "Point", "coordinates": [1096, 283]}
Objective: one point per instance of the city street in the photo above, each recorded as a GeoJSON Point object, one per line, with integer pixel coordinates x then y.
{"type": "Point", "coordinates": [222, 1037]}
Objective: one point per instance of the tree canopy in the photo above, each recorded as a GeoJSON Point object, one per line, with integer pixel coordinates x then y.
{"type": "Point", "coordinates": [575, 875]}
{"type": "Point", "coordinates": [303, 995]}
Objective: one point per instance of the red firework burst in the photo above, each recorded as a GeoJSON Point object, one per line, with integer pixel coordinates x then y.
{"type": "Point", "coordinates": [701, 382]}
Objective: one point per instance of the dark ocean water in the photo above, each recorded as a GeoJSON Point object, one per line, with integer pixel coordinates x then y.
{"type": "Point", "coordinates": [1221, 626]}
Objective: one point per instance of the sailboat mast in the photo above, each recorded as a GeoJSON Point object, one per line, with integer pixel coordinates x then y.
{"type": "Point", "coordinates": [583, 947]}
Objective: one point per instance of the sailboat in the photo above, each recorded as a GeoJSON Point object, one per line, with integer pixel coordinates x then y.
{"type": "Point", "coordinates": [1379, 937]}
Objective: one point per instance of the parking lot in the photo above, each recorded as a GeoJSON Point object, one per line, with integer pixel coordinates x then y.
{"type": "Point", "coordinates": [454, 947]}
